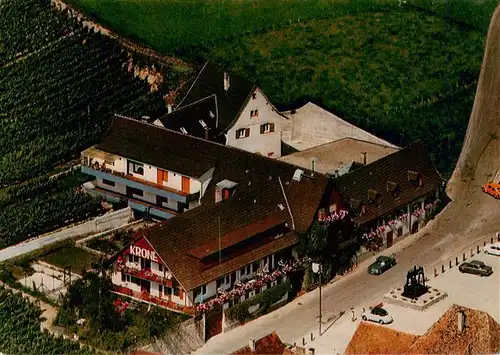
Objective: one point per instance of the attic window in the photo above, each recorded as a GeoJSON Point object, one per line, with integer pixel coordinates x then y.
{"type": "Point", "coordinates": [211, 114]}
{"type": "Point", "coordinates": [374, 197]}
{"type": "Point", "coordinates": [183, 130]}
{"type": "Point", "coordinates": [203, 124]}
{"type": "Point", "coordinates": [415, 178]}
{"type": "Point", "coordinates": [254, 96]}
{"type": "Point", "coordinates": [254, 113]}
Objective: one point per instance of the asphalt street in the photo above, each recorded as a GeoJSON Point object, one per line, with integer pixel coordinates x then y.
{"type": "Point", "coordinates": [358, 289]}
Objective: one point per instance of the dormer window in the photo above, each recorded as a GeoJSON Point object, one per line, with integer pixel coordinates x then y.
{"type": "Point", "coordinates": [374, 197]}
{"type": "Point", "coordinates": [415, 178]}
{"type": "Point", "coordinates": [358, 207]}
{"type": "Point", "coordinates": [183, 130]}
{"type": "Point", "coordinates": [394, 189]}
{"type": "Point", "coordinates": [203, 124]}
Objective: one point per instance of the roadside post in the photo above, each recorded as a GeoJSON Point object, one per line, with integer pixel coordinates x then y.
{"type": "Point", "coordinates": [317, 269]}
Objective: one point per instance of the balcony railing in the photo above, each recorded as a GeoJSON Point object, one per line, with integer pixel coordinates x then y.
{"type": "Point", "coordinates": [162, 302]}
{"type": "Point", "coordinates": [143, 274]}
{"type": "Point", "coordinates": [132, 181]}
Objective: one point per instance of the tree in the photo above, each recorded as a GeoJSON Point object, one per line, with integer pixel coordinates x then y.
{"type": "Point", "coordinates": [327, 240]}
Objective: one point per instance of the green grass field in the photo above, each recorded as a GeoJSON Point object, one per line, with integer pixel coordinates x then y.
{"type": "Point", "coordinates": [388, 72]}
{"type": "Point", "coordinates": [77, 258]}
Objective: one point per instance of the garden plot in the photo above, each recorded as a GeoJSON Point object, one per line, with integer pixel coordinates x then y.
{"type": "Point", "coordinates": [49, 280]}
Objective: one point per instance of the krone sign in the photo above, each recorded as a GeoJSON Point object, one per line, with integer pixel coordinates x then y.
{"type": "Point", "coordinates": [143, 253]}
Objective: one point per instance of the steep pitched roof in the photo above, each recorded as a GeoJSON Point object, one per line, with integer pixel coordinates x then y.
{"type": "Point", "coordinates": [210, 81]}
{"type": "Point", "coordinates": [481, 334]}
{"type": "Point", "coordinates": [196, 119]}
{"type": "Point", "coordinates": [238, 221]}
{"type": "Point", "coordinates": [393, 168]}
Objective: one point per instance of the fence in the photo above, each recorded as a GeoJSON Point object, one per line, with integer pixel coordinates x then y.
{"type": "Point", "coordinates": [467, 252]}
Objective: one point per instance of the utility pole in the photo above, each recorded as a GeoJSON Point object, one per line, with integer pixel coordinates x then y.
{"type": "Point", "coordinates": [317, 269]}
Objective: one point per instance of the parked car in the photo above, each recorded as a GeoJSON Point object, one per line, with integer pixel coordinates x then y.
{"type": "Point", "coordinates": [492, 189]}
{"type": "Point", "coordinates": [475, 267]}
{"type": "Point", "coordinates": [492, 249]}
{"type": "Point", "coordinates": [381, 265]}
{"type": "Point", "coordinates": [377, 315]}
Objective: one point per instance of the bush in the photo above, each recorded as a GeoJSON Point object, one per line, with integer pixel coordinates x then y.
{"type": "Point", "coordinates": [265, 299]}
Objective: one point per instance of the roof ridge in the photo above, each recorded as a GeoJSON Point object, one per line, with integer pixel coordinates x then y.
{"type": "Point", "coordinates": [194, 82]}
{"type": "Point", "coordinates": [253, 155]}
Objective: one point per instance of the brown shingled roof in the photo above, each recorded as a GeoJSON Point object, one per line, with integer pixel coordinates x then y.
{"type": "Point", "coordinates": [176, 237]}
{"type": "Point", "coordinates": [394, 169]}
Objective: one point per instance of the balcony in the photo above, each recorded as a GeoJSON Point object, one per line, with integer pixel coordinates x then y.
{"type": "Point", "coordinates": [151, 209]}
{"type": "Point", "coordinates": [146, 297]}
{"type": "Point", "coordinates": [127, 180]}
{"type": "Point", "coordinates": [143, 274]}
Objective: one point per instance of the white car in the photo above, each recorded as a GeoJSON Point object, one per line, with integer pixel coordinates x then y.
{"type": "Point", "coordinates": [492, 249]}
{"type": "Point", "coordinates": [377, 315]}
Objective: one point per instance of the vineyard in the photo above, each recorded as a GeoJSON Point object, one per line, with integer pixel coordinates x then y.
{"type": "Point", "coordinates": [60, 86]}
{"type": "Point", "coordinates": [20, 329]}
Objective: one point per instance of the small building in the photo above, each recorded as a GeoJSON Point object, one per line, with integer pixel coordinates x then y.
{"type": "Point", "coordinates": [227, 108]}
{"type": "Point", "coordinates": [339, 157]}
{"type": "Point", "coordinates": [270, 345]}
{"type": "Point", "coordinates": [310, 126]}
{"type": "Point", "coordinates": [460, 330]}
{"type": "Point", "coordinates": [391, 197]}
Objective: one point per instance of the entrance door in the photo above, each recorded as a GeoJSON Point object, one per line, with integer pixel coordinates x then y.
{"type": "Point", "coordinates": [414, 227]}
{"type": "Point", "coordinates": [185, 185]}
{"type": "Point", "coordinates": [213, 324]}
{"type": "Point", "coordinates": [389, 239]}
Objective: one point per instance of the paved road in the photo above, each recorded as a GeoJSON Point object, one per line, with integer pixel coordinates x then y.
{"type": "Point", "coordinates": [96, 225]}
{"type": "Point", "coordinates": [358, 289]}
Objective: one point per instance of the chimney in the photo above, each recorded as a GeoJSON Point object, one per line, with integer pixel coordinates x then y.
{"type": "Point", "coordinates": [226, 81]}
{"type": "Point", "coordinates": [169, 108]}
{"type": "Point", "coordinates": [207, 129]}
{"type": "Point", "coordinates": [461, 321]}
{"type": "Point", "coordinates": [364, 158]}
{"type": "Point", "coordinates": [251, 344]}
{"type": "Point", "coordinates": [313, 164]}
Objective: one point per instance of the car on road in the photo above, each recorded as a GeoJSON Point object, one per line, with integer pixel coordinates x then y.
{"type": "Point", "coordinates": [377, 315]}
{"type": "Point", "coordinates": [492, 249]}
{"type": "Point", "coordinates": [492, 189]}
{"type": "Point", "coordinates": [475, 267]}
{"type": "Point", "coordinates": [381, 265]}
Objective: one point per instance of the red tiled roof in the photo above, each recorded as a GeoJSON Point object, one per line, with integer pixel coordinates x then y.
{"type": "Point", "coordinates": [235, 237]}
{"type": "Point", "coordinates": [269, 345]}
{"type": "Point", "coordinates": [390, 169]}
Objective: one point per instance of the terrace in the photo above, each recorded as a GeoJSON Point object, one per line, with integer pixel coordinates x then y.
{"type": "Point", "coordinates": [146, 297]}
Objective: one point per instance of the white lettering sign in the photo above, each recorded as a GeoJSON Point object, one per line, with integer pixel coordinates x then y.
{"type": "Point", "coordinates": [143, 253]}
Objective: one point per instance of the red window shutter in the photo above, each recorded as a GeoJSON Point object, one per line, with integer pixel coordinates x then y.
{"type": "Point", "coordinates": [225, 194]}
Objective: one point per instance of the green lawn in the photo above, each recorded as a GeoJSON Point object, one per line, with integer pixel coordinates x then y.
{"type": "Point", "coordinates": [169, 25]}
{"type": "Point", "coordinates": [378, 70]}
{"type": "Point", "coordinates": [72, 256]}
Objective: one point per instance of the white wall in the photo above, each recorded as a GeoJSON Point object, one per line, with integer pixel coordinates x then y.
{"type": "Point", "coordinates": [118, 188]}
{"type": "Point", "coordinates": [257, 142]}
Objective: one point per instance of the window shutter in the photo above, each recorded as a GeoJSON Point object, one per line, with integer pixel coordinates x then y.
{"type": "Point", "coordinates": [237, 131]}
{"type": "Point", "coordinates": [272, 127]}
{"type": "Point", "coordinates": [247, 132]}
{"type": "Point", "coordinates": [262, 129]}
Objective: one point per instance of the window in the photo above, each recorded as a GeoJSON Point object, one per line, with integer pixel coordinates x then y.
{"type": "Point", "coordinates": [108, 182]}
{"type": "Point", "coordinates": [160, 267]}
{"type": "Point", "coordinates": [136, 168]}
{"type": "Point", "coordinates": [332, 208]}
{"type": "Point", "coordinates": [255, 266]}
{"type": "Point", "coordinates": [183, 130]}
{"type": "Point", "coordinates": [162, 201]}
{"type": "Point", "coordinates": [203, 124]}
{"type": "Point", "coordinates": [244, 271]}
{"type": "Point", "coordinates": [177, 291]}
{"type": "Point", "coordinates": [254, 113]}
{"type": "Point", "coordinates": [254, 96]}
{"type": "Point", "coordinates": [124, 278]}
{"type": "Point", "coordinates": [133, 191]}
{"type": "Point", "coordinates": [321, 214]}
{"type": "Point", "coordinates": [242, 133]}
{"type": "Point", "coordinates": [266, 128]}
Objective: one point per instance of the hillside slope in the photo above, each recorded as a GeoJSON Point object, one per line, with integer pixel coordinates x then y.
{"type": "Point", "coordinates": [480, 157]}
